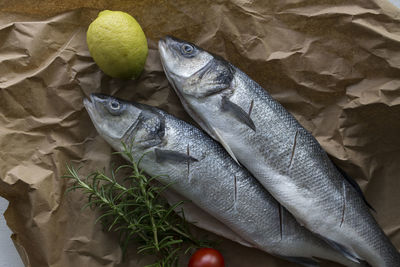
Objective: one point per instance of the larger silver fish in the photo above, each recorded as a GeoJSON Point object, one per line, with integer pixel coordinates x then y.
{"type": "Point", "coordinates": [201, 170]}
{"type": "Point", "coordinates": [287, 160]}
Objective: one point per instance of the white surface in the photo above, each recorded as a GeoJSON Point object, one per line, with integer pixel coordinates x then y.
{"type": "Point", "coordinates": [395, 2]}
{"type": "Point", "coordinates": [8, 254]}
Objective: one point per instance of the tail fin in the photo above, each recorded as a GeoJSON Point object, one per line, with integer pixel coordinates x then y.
{"type": "Point", "coordinates": [345, 251]}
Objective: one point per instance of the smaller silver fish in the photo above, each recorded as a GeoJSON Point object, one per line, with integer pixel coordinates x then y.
{"type": "Point", "coordinates": [199, 169]}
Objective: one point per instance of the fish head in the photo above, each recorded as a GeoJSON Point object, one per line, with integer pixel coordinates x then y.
{"type": "Point", "coordinates": [193, 71]}
{"type": "Point", "coordinates": [120, 121]}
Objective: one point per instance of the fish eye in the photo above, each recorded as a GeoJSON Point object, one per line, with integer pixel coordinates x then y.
{"type": "Point", "coordinates": [115, 105]}
{"type": "Point", "coordinates": [187, 49]}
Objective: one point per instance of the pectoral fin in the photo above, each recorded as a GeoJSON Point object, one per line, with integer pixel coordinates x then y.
{"type": "Point", "coordinates": [308, 262]}
{"type": "Point", "coordinates": [345, 251]}
{"type": "Point", "coordinates": [237, 112]}
{"type": "Point", "coordinates": [172, 156]}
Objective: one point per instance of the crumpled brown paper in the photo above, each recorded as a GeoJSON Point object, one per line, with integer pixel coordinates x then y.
{"type": "Point", "coordinates": [334, 64]}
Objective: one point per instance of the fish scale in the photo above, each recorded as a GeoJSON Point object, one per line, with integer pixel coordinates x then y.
{"type": "Point", "coordinates": [317, 202]}
{"type": "Point", "coordinates": [206, 175]}
{"type": "Point", "coordinates": [220, 199]}
{"type": "Point", "coordinates": [283, 156]}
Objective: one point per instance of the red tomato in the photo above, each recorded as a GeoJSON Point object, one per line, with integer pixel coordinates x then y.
{"type": "Point", "coordinates": [206, 257]}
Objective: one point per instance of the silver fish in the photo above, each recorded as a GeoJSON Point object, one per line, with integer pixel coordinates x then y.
{"type": "Point", "coordinates": [200, 170]}
{"type": "Point", "coordinates": [285, 158]}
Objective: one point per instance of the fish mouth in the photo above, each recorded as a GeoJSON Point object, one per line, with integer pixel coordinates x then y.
{"type": "Point", "coordinates": [90, 108]}
{"type": "Point", "coordinates": [166, 48]}
{"type": "Point", "coordinates": [163, 47]}
{"type": "Point", "coordinates": [94, 98]}
{"type": "Point", "coordinates": [88, 102]}
{"type": "Point", "coordinates": [90, 105]}
{"type": "Point", "coordinates": [168, 39]}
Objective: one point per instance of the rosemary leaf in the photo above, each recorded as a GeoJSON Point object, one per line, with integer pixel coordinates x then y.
{"type": "Point", "coordinates": [135, 209]}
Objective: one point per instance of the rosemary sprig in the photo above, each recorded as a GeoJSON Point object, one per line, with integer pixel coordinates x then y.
{"type": "Point", "coordinates": [135, 209]}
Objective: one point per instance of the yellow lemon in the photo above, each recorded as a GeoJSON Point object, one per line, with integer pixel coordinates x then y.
{"type": "Point", "coordinates": [117, 44]}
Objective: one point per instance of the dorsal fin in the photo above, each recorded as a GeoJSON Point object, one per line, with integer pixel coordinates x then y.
{"type": "Point", "coordinates": [355, 185]}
